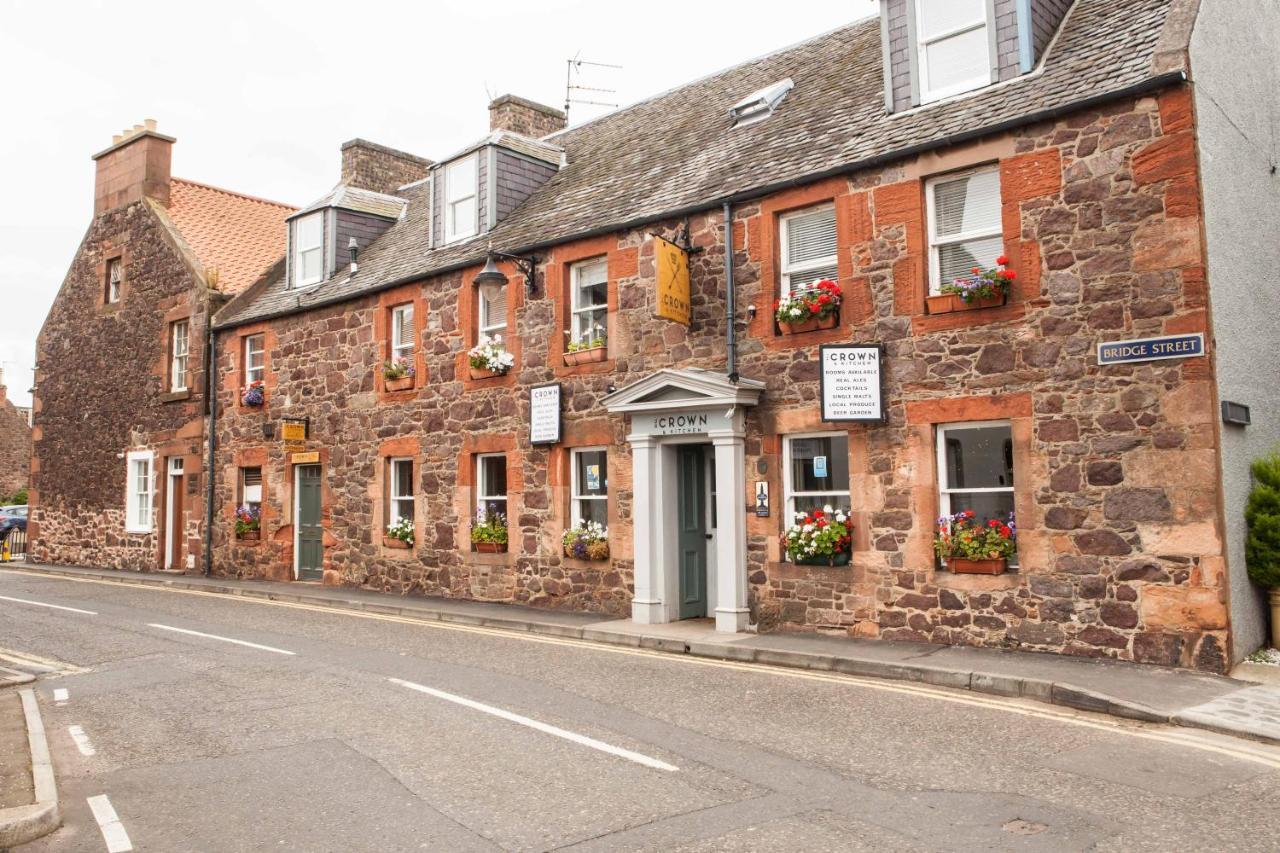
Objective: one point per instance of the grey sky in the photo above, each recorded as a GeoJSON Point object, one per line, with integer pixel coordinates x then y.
{"type": "Point", "coordinates": [261, 96]}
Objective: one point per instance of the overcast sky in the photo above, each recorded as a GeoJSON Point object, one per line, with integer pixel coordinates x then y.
{"type": "Point", "coordinates": [261, 96]}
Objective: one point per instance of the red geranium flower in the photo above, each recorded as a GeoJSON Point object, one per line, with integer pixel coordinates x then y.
{"type": "Point", "coordinates": [814, 308]}
{"type": "Point", "coordinates": [977, 270]}
{"type": "Point", "coordinates": [1002, 260]}
{"type": "Point", "coordinates": [1010, 275]}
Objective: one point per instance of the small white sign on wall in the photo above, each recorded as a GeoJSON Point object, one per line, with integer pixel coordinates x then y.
{"type": "Point", "coordinates": [544, 414]}
{"type": "Point", "coordinates": [851, 382]}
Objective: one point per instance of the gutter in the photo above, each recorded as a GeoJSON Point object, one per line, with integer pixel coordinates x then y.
{"type": "Point", "coordinates": [210, 394]}
{"type": "Point", "coordinates": [1151, 84]}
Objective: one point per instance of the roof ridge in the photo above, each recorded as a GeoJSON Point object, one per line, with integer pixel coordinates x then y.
{"type": "Point", "coordinates": [245, 196]}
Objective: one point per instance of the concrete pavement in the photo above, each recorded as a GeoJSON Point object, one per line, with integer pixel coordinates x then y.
{"type": "Point", "coordinates": [1134, 691]}
{"type": "Point", "coordinates": [215, 737]}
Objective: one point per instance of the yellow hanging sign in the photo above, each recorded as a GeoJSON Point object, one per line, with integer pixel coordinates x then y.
{"type": "Point", "coordinates": [673, 281]}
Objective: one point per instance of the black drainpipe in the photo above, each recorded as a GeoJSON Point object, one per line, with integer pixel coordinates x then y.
{"type": "Point", "coordinates": [730, 298]}
{"type": "Point", "coordinates": [210, 394]}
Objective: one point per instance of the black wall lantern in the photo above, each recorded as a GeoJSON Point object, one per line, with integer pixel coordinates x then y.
{"type": "Point", "coordinates": [491, 279]}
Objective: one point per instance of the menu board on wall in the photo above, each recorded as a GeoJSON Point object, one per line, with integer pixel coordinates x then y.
{"type": "Point", "coordinates": [851, 389]}
{"type": "Point", "coordinates": [544, 414]}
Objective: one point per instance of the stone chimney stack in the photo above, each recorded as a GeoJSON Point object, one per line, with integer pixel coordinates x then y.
{"type": "Point", "coordinates": [525, 117]}
{"type": "Point", "coordinates": [135, 165]}
{"type": "Point", "coordinates": [370, 166]}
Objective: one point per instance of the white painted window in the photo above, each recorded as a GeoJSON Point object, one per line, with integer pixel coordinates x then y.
{"type": "Point", "coordinates": [953, 48]}
{"type": "Point", "coordinates": [179, 350]}
{"type": "Point", "coordinates": [460, 188]}
{"type": "Point", "coordinates": [251, 487]}
{"type": "Point", "coordinates": [400, 502]}
{"type": "Point", "coordinates": [589, 286]}
{"type": "Point", "coordinates": [492, 313]}
{"type": "Point", "coordinates": [965, 230]}
{"type": "Point", "coordinates": [816, 473]}
{"type": "Point", "coordinates": [808, 241]}
{"type": "Point", "coordinates": [254, 358]}
{"type": "Point", "coordinates": [115, 277]}
{"type": "Point", "coordinates": [975, 469]}
{"type": "Point", "coordinates": [590, 486]}
{"type": "Point", "coordinates": [402, 336]}
{"type": "Point", "coordinates": [308, 249]}
{"type": "Point", "coordinates": [491, 482]}
{"type": "Point", "coordinates": [140, 492]}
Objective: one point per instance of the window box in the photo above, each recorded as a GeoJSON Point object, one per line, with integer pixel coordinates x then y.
{"type": "Point", "coordinates": [482, 373]}
{"type": "Point", "coordinates": [841, 559]}
{"type": "Point", "coordinates": [490, 547]}
{"type": "Point", "coordinates": [597, 552]}
{"type": "Point", "coordinates": [393, 542]}
{"type": "Point", "coordinates": [585, 356]}
{"type": "Point", "coordinates": [249, 535]}
{"type": "Point", "coordinates": [948, 303]}
{"type": "Point", "coordinates": [961, 566]}
{"type": "Point", "coordinates": [828, 322]}
{"type": "Point", "coordinates": [404, 383]}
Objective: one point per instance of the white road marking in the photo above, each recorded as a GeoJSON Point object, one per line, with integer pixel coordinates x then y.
{"type": "Point", "coordinates": [223, 639]}
{"type": "Point", "coordinates": [82, 741]}
{"type": "Point", "coordinates": [53, 606]}
{"type": "Point", "coordinates": [542, 727]}
{"type": "Point", "coordinates": [112, 829]}
{"type": "Point", "coordinates": [60, 695]}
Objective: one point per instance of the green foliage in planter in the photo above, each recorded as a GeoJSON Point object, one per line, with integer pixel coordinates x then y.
{"type": "Point", "coordinates": [1262, 514]}
{"type": "Point", "coordinates": [489, 526]}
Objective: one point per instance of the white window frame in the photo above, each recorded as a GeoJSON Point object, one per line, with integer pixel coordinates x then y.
{"type": "Point", "coordinates": [928, 94]}
{"type": "Point", "coordinates": [576, 497]}
{"type": "Point", "coordinates": [492, 330]}
{"type": "Point", "coordinates": [453, 229]}
{"type": "Point", "coordinates": [255, 359]}
{"type": "Point", "coordinates": [482, 486]}
{"type": "Point", "coordinates": [398, 492]}
{"type": "Point", "coordinates": [245, 487]}
{"type": "Point", "coordinates": [576, 309]}
{"type": "Point", "coordinates": [936, 242]}
{"type": "Point", "coordinates": [179, 356]}
{"type": "Point", "coordinates": [134, 492]}
{"type": "Point", "coordinates": [402, 348]}
{"type": "Point", "coordinates": [789, 494]}
{"type": "Point", "coordinates": [944, 490]}
{"type": "Point", "coordinates": [115, 277]}
{"type": "Point", "coordinates": [299, 249]}
{"type": "Point", "coordinates": [808, 266]}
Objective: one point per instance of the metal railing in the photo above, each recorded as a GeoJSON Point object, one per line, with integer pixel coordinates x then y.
{"type": "Point", "coordinates": [14, 547]}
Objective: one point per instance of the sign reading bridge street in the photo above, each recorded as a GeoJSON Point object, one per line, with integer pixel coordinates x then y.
{"type": "Point", "coordinates": [851, 382]}
{"type": "Point", "coordinates": [1151, 349]}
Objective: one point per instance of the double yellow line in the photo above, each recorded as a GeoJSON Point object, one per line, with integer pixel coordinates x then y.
{"type": "Point", "coordinates": [1243, 750]}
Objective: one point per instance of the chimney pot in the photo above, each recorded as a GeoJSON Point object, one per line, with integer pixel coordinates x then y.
{"type": "Point", "coordinates": [150, 123]}
{"type": "Point", "coordinates": [115, 139]}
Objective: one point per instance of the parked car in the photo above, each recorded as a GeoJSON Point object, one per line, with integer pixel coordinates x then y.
{"type": "Point", "coordinates": [13, 517]}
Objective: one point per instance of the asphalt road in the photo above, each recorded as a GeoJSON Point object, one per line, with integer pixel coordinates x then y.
{"type": "Point", "coordinates": [333, 731]}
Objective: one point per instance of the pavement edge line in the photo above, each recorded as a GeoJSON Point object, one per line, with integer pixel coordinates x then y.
{"type": "Point", "coordinates": [21, 824]}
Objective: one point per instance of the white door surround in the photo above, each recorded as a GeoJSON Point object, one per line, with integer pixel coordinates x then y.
{"type": "Point", "coordinates": [673, 407]}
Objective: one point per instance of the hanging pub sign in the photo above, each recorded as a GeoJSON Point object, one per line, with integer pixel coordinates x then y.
{"type": "Point", "coordinates": [851, 389]}
{"type": "Point", "coordinates": [673, 280]}
{"type": "Point", "coordinates": [544, 414]}
{"type": "Point", "coordinates": [1151, 349]}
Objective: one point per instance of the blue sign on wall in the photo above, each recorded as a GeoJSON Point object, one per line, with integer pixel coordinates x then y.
{"type": "Point", "coordinates": [1151, 349]}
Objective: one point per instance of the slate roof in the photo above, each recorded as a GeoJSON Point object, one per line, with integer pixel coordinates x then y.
{"type": "Point", "coordinates": [677, 152]}
{"type": "Point", "coordinates": [539, 149]}
{"type": "Point", "coordinates": [359, 200]}
{"type": "Point", "coordinates": [238, 235]}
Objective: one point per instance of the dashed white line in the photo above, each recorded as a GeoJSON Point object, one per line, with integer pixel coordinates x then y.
{"type": "Point", "coordinates": [223, 639]}
{"type": "Point", "coordinates": [51, 606]}
{"type": "Point", "coordinates": [112, 829]}
{"type": "Point", "coordinates": [545, 728]}
{"type": "Point", "coordinates": [82, 741]}
{"type": "Point", "coordinates": [60, 695]}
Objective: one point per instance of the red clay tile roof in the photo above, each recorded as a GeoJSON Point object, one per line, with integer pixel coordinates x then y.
{"type": "Point", "coordinates": [238, 235]}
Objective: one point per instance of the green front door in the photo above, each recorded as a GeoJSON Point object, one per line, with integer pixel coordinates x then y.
{"type": "Point", "coordinates": [310, 531]}
{"type": "Point", "coordinates": [691, 515]}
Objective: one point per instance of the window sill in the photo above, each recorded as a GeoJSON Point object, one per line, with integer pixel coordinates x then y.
{"type": "Point", "coordinates": [175, 396]}
{"type": "Point", "coordinates": [925, 323]}
{"type": "Point", "coordinates": [505, 558]}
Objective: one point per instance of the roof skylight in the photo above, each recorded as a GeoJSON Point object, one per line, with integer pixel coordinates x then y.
{"type": "Point", "coordinates": [759, 105]}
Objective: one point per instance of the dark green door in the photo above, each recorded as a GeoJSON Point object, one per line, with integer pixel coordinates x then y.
{"type": "Point", "coordinates": [691, 515]}
{"type": "Point", "coordinates": [310, 532]}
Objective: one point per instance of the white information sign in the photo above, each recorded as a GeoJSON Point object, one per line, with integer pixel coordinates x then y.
{"type": "Point", "coordinates": [851, 389]}
{"type": "Point", "coordinates": [544, 414]}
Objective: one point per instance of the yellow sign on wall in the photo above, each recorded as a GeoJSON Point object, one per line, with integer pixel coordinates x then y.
{"type": "Point", "coordinates": [292, 431]}
{"type": "Point", "coordinates": [673, 281]}
{"type": "Point", "coordinates": [304, 458]}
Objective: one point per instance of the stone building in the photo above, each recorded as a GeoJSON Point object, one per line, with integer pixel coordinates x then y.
{"type": "Point", "coordinates": [120, 398]}
{"type": "Point", "coordinates": [15, 445]}
{"type": "Point", "coordinates": [1087, 143]}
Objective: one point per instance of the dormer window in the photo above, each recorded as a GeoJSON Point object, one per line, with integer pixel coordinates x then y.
{"type": "Point", "coordinates": [460, 199]}
{"type": "Point", "coordinates": [759, 105]}
{"type": "Point", "coordinates": [953, 47]}
{"type": "Point", "coordinates": [308, 249]}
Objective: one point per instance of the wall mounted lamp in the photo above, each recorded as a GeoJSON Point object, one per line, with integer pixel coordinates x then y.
{"type": "Point", "coordinates": [491, 280]}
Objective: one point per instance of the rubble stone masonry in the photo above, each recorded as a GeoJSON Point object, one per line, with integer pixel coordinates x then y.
{"type": "Point", "coordinates": [15, 446]}
{"type": "Point", "coordinates": [1120, 547]}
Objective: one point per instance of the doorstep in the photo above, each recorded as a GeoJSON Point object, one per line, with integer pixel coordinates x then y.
{"type": "Point", "coordinates": [1119, 688]}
